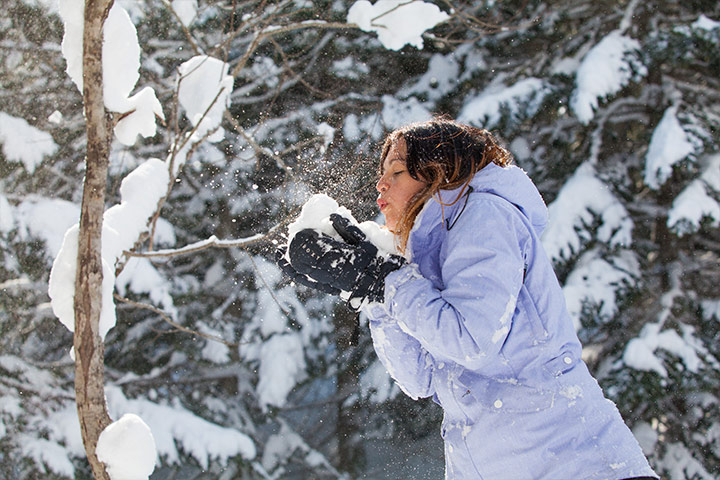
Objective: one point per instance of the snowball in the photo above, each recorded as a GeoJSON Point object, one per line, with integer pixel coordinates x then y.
{"type": "Point", "coordinates": [316, 212]}
{"type": "Point", "coordinates": [127, 448]}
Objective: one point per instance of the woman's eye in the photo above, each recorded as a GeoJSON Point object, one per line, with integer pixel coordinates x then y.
{"type": "Point", "coordinates": [399, 172]}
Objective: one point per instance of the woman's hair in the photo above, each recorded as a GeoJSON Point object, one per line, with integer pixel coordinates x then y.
{"type": "Point", "coordinates": [446, 155]}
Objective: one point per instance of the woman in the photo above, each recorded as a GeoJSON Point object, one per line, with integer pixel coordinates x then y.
{"type": "Point", "coordinates": [475, 317]}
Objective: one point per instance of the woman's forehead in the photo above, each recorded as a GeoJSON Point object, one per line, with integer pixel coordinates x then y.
{"type": "Point", "coordinates": [396, 153]}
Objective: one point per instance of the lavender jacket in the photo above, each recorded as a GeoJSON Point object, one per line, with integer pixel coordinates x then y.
{"type": "Point", "coordinates": [478, 321]}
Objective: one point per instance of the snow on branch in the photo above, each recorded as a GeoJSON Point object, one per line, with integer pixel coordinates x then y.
{"type": "Point", "coordinates": [21, 142]}
{"type": "Point", "coordinates": [396, 22]}
{"type": "Point", "coordinates": [582, 199]}
{"type": "Point", "coordinates": [695, 202]}
{"type": "Point", "coordinates": [669, 145]}
{"type": "Point", "coordinates": [121, 69]}
{"type": "Point", "coordinates": [604, 71]}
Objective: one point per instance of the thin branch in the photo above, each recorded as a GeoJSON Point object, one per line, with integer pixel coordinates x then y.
{"type": "Point", "coordinates": [276, 30]}
{"type": "Point", "coordinates": [212, 241]}
{"type": "Point", "coordinates": [168, 320]}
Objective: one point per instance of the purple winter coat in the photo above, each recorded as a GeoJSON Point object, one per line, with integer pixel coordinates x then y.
{"type": "Point", "coordinates": [478, 321]}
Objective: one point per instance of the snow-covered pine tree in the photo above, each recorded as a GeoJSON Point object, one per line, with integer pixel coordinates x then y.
{"type": "Point", "coordinates": [611, 107]}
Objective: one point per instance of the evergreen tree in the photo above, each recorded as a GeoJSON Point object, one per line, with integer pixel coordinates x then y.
{"type": "Point", "coordinates": [610, 106]}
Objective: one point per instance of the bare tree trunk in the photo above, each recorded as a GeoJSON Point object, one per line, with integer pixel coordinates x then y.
{"type": "Point", "coordinates": [89, 347]}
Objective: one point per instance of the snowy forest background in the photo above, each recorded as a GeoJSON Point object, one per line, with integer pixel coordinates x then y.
{"type": "Point", "coordinates": [612, 107]}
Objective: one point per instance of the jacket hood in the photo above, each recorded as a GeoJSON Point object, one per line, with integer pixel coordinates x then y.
{"type": "Point", "coordinates": [512, 184]}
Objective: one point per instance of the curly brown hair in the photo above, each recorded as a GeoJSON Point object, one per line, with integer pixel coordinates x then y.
{"type": "Point", "coordinates": [446, 155]}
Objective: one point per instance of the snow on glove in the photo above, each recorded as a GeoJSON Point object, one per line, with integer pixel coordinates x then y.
{"type": "Point", "coordinates": [351, 267]}
{"type": "Point", "coordinates": [299, 277]}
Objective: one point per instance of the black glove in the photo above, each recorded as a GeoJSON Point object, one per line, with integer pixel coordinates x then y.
{"type": "Point", "coordinates": [299, 277]}
{"type": "Point", "coordinates": [352, 267]}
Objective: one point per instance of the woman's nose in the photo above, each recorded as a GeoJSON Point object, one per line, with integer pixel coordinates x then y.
{"type": "Point", "coordinates": [381, 185]}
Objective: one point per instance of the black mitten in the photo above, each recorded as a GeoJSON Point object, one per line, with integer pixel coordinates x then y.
{"type": "Point", "coordinates": [352, 267]}
{"type": "Point", "coordinates": [299, 277]}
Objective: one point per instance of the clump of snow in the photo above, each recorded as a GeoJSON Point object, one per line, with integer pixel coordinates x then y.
{"type": "Point", "coordinates": [397, 113]}
{"type": "Point", "coordinates": [121, 64]}
{"type": "Point", "coordinates": [55, 117]}
{"type": "Point", "coordinates": [122, 224]}
{"type": "Point", "coordinates": [646, 436]}
{"type": "Point", "coordinates": [140, 192]}
{"type": "Point", "coordinates": [213, 351]}
{"type": "Point", "coordinates": [204, 88]}
{"type": "Point", "coordinates": [349, 68]}
{"type": "Point", "coordinates": [376, 384]}
{"type": "Point", "coordinates": [596, 280]}
{"type": "Point", "coordinates": [48, 219]}
{"type": "Point", "coordinates": [439, 79]}
{"type": "Point", "coordinates": [640, 352]}
{"type": "Point", "coordinates": [328, 134]}
{"type": "Point", "coordinates": [284, 444]}
{"type": "Point", "coordinates": [127, 448]}
{"type": "Point", "coordinates": [581, 199]}
{"type": "Point", "coordinates": [21, 142]}
{"type": "Point", "coordinates": [357, 127]}
{"type": "Point", "coordinates": [316, 212]}
{"type": "Point", "coordinates": [186, 10]}
{"type": "Point", "coordinates": [281, 353]}
{"type": "Point", "coordinates": [604, 70]}
{"type": "Point", "coordinates": [668, 145]}
{"type": "Point", "coordinates": [47, 455]}
{"type": "Point", "coordinates": [705, 23]}
{"type": "Point", "coordinates": [396, 22]}
{"type": "Point", "coordinates": [61, 287]}
{"type": "Point", "coordinates": [690, 207]}
{"type": "Point", "coordinates": [7, 219]}
{"type": "Point", "coordinates": [486, 109]}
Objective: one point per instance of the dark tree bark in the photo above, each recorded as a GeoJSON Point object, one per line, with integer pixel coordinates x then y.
{"type": "Point", "coordinates": [89, 347]}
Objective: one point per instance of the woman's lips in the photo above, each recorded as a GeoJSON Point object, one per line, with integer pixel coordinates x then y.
{"type": "Point", "coordinates": [381, 203]}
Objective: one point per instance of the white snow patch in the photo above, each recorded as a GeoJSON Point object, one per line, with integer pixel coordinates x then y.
{"type": "Point", "coordinates": [21, 142]}
{"type": "Point", "coordinates": [695, 202]}
{"type": "Point", "coordinates": [127, 448]}
{"type": "Point", "coordinates": [204, 85]}
{"type": "Point", "coordinates": [640, 351]}
{"type": "Point", "coordinates": [48, 219]}
{"type": "Point", "coordinates": [396, 22]}
{"type": "Point", "coordinates": [121, 64]}
{"type": "Point", "coordinates": [604, 71]}
{"type": "Point", "coordinates": [668, 145]}
{"type": "Point", "coordinates": [47, 455]}
{"type": "Point", "coordinates": [282, 365]}
{"type": "Point", "coordinates": [523, 97]}
{"type": "Point", "coordinates": [581, 198]}
{"type": "Point", "coordinates": [186, 10]}
{"type": "Point", "coordinates": [705, 23]}
{"type": "Point", "coordinates": [376, 384]}
{"type": "Point", "coordinates": [397, 113]}
{"type": "Point", "coordinates": [316, 212]}
{"type": "Point", "coordinates": [595, 280]}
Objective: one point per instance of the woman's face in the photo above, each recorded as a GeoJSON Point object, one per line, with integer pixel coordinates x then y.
{"type": "Point", "coordinates": [396, 186]}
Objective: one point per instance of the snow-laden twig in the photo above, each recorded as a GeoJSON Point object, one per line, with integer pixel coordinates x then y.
{"type": "Point", "coordinates": [176, 325]}
{"type": "Point", "coordinates": [210, 242]}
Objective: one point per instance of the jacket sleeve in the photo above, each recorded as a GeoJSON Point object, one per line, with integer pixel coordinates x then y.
{"type": "Point", "coordinates": [407, 362]}
{"type": "Point", "coordinates": [481, 267]}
